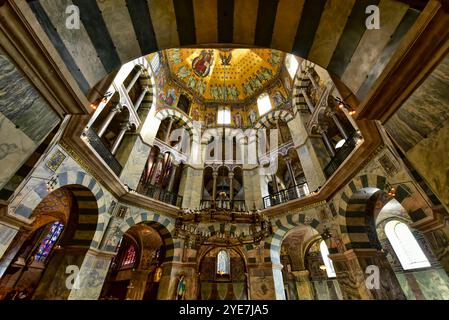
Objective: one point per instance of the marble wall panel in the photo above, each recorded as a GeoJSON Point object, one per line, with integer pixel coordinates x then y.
{"type": "Point", "coordinates": [421, 129]}
{"type": "Point", "coordinates": [132, 171]}
{"type": "Point", "coordinates": [7, 234]}
{"type": "Point", "coordinates": [424, 112]}
{"type": "Point", "coordinates": [21, 103]}
{"type": "Point", "coordinates": [15, 148]}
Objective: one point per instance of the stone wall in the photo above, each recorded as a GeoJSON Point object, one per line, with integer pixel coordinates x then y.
{"type": "Point", "coordinates": [421, 129]}
{"type": "Point", "coordinates": [25, 119]}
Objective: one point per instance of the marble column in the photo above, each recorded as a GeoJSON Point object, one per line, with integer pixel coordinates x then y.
{"type": "Point", "coordinates": [307, 152]}
{"type": "Point", "coordinates": [172, 177]}
{"type": "Point", "coordinates": [117, 109]}
{"type": "Point", "coordinates": [360, 270]}
{"type": "Point", "coordinates": [275, 183]}
{"type": "Point", "coordinates": [331, 114]}
{"type": "Point", "coordinates": [281, 137]}
{"type": "Point", "coordinates": [141, 97]}
{"type": "Point", "coordinates": [123, 128]}
{"type": "Point", "coordinates": [167, 135]}
{"type": "Point", "coordinates": [156, 165]}
{"type": "Point", "coordinates": [134, 80]}
{"type": "Point", "coordinates": [309, 103]}
{"type": "Point", "coordinates": [288, 162]}
{"type": "Point", "coordinates": [304, 286]}
{"type": "Point", "coordinates": [214, 188]}
{"type": "Point", "coordinates": [329, 146]}
{"type": "Point", "coordinates": [312, 79]}
{"type": "Point", "coordinates": [231, 185]}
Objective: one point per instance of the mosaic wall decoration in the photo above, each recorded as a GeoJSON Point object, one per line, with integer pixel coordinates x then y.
{"type": "Point", "coordinates": [55, 161]}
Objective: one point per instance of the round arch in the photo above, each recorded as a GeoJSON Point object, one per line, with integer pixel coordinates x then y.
{"type": "Point", "coordinates": [352, 204]}
{"type": "Point", "coordinates": [163, 225]}
{"type": "Point", "coordinates": [80, 183]}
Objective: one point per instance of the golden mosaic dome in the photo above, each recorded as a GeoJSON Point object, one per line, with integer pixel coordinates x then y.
{"type": "Point", "coordinates": [224, 75]}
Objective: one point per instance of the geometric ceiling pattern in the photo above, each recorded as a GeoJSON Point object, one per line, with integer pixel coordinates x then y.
{"type": "Point", "coordinates": [224, 75]}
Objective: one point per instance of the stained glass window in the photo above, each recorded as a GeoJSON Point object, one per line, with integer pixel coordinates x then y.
{"type": "Point", "coordinates": [49, 241]}
{"type": "Point", "coordinates": [223, 263]}
{"type": "Point", "coordinates": [130, 257]}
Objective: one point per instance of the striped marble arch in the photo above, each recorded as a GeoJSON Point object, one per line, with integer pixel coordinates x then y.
{"type": "Point", "coordinates": [353, 214]}
{"type": "Point", "coordinates": [165, 113]}
{"type": "Point", "coordinates": [272, 117]}
{"type": "Point", "coordinates": [163, 225]}
{"type": "Point", "coordinates": [89, 195]}
{"type": "Point", "coordinates": [329, 33]}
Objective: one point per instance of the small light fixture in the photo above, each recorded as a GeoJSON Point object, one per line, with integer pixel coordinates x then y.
{"type": "Point", "coordinates": [93, 106]}
{"type": "Point", "coordinates": [340, 144]}
{"type": "Point", "coordinates": [392, 192]}
{"type": "Point", "coordinates": [322, 267]}
{"type": "Point", "coordinates": [326, 234]}
{"type": "Point", "coordinates": [51, 183]}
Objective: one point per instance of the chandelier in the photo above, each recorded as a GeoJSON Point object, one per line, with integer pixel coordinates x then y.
{"type": "Point", "coordinates": [188, 227]}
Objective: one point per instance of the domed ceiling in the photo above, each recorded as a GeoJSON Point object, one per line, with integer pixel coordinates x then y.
{"type": "Point", "coordinates": [224, 75]}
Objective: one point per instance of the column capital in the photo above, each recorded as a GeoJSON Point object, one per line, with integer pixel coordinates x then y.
{"type": "Point", "coordinates": [117, 108]}
{"type": "Point", "coordinates": [330, 113]}
{"type": "Point", "coordinates": [214, 173]}
{"type": "Point", "coordinates": [125, 126]}
{"type": "Point", "coordinates": [231, 174]}
{"type": "Point", "coordinates": [287, 159]}
{"type": "Point", "coordinates": [321, 129]}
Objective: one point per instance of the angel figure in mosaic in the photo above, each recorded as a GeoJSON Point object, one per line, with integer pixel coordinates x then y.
{"type": "Point", "coordinates": [192, 82]}
{"type": "Point", "coordinates": [176, 56]}
{"type": "Point", "coordinates": [201, 87]}
{"type": "Point", "coordinates": [275, 57]}
{"type": "Point", "coordinates": [183, 72]}
{"type": "Point", "coordinates": [213, 92]}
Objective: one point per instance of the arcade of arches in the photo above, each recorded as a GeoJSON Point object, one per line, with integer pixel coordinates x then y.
{"type": "Point", "coordinates": [247, 150]}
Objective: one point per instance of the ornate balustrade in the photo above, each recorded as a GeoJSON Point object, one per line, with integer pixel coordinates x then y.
{"type": "Point", "coordinates": [95, 141]}
{"type": "Point", "coordinates": [295, 192]}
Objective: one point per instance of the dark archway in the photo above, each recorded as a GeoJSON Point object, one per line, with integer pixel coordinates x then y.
{"type": "Point", "coordinates": [135, 271]}
{"type": "Point", "coordinates": [217, 284]}
{"type": "Point", "coordinates": [64, 226]}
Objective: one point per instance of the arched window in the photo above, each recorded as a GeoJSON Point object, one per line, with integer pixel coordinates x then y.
{"type": "Point", "coordinates": [223, 263]}
{"type": "Point", "coordinates": [327, 261]}
{"type": "Point", "coordinates": [224, 116]}
{"type": "Point", "coordinates": [184, 103]}
{"type": "Point", "coordinates": [405, 246]}
{"type": "Point", "coordinates": [49, 241]}
{"type": "Point", "coordinates": [291, 63]}
{"type": "Point", "coordinates": [263, 103]}
{"type": "Point", "coordinates": [130, 257]}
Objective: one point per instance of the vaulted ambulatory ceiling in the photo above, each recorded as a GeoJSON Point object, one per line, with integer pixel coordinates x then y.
{"type": "Point", "coordinates": [332, 33]}
{"type": "Point", "coordinates": [207, 72]}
